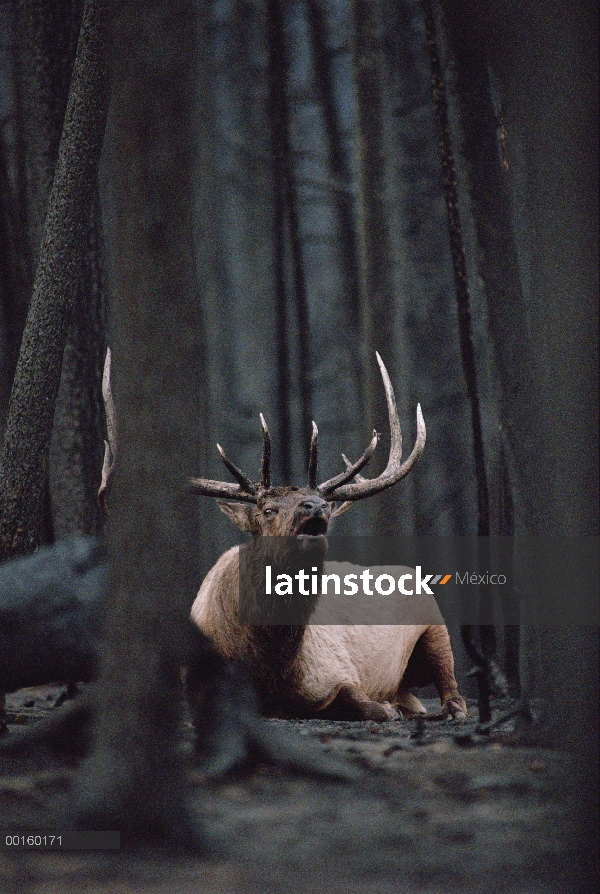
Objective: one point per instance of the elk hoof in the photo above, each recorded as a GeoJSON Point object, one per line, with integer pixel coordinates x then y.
{"type": "Point", "coordinates": [377, 712]}
{"type": "Point", "coordinates": [455, 709]}
{"type": "Point", "coordinates": [392, 713]}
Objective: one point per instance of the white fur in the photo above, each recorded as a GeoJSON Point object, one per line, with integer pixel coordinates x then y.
{"type": "Point", "coordinates": [371, 658]}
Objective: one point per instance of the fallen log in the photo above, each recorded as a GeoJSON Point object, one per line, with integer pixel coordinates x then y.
{"type": "Point", "coordinates": [52, 608]}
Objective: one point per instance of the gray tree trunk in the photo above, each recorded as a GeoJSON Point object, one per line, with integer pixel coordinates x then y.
{"type": "Point", "coordinates": [46, 34]}
{"type": "Point", "coordinates": [133, 778]}
{"type": "Point", "coordinates": [378, 299]}
{"type": "Point", "coordinates": [79, 425]}
{"type": "Point", "coordinates": [15, 262]}
{"type": "Point", "coordinates": [47, 39]}
{"type": "Point", "coordinates": [31, 410]}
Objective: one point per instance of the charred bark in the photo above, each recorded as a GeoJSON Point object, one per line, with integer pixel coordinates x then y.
{"type": "Point", "coordinates": [378, 305]}
{"type": "Point", "coordinates": [47, 35]}
{"type": "Point", "coordinates": [15, 268]}
{"type": "Point", "coordinates": [489, 677]}
{"type": "Point", "coordinates": [79, 427]}
{"type": "Point", "coordinates": [33, 398]}
{"type": "Point", "coordinates": [338, 160]}
{"type": "Point", "coordinates": [48, 39]}
{"type": "Point", "coordinates": [286, 212]}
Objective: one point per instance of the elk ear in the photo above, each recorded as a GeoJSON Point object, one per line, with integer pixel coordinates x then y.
{"type": "Point", "coordinates": [241, 514]}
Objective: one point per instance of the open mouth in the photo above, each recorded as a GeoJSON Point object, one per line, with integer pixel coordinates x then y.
{"type": "Point", "coordinates": [312, 527]}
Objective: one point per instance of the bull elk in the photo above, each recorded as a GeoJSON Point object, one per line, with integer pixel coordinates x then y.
{"type": "Point", "coordinates": [346, 672]}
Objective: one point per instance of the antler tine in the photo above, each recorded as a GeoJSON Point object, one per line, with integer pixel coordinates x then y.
{"type": "Point", "coordinates": [110, 446]}
{"type": "Point", "coordinates": [348, 465]}
{"type": "Point", "coordinates": [395, 469]}
{"type": "Point", "coordinates": [245, 490]}
{"type": "Point", "coordinates": [347, 504]}
{"type": "Point", "coordinates": [351, 469]}
{"type": "Point", "coordinates": [245, 483]}
{"type": "Point", "coordinates": [109, 404]}
{"type": "Point", "coordinates": [313, 458]}
{"type": "Point", "coordinates": [265, 466]}
{"type": "Point", "coordinates": [226, 489]}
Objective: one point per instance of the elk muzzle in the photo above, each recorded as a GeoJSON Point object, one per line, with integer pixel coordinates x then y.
{"type": "Point", "coordinates": [312, 517]}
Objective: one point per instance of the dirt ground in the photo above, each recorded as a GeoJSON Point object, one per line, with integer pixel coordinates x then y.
{"type": "Point", "coordinates": [427, 813]}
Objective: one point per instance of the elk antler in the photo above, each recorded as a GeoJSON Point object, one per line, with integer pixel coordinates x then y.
{"type": "Point", "coordinates": [339, 488]}
{"type": "Point", "coordinates": [313, 457]}
{"type": "Point", "coordinates": [265, 466]}
{"type": "Point", "coordinates": [342, 487]}
{"type": "Point", "coordinates": [110, 446]}
{"type": "Point", "coordinates": [246, 490]}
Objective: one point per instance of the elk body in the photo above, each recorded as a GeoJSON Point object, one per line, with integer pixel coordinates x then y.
{"type": "Point", "coordinates": [347, 672]}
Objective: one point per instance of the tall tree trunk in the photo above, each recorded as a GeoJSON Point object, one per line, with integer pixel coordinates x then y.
{"type": "Point", "coordinates": [47, 32]}
{"type": "Point", "coordinates": [497, 261]}
{"type": "Point", "coordinates": [79, 426]}
{"type": "Point", "coordinates": [487, 636]}
{"type": "Point", "coordinates": [15, 261]}
{"type": "Point", "coordinates": [338, 159]}
{"type": "Point", "coordinates": [378, 304]}
{"type": "Point", "coordinates": [15, 282]}
{"type": "Point", "coordinates": [48, 38]}
{"type": "Point", "coordinates": [133, 777]}
{"type": "Point", "coordinates": [277, 126]}
{"type": "Point", "coordinates": [37, 378]}
{"type": "Point", "coordinates": [285, 181]}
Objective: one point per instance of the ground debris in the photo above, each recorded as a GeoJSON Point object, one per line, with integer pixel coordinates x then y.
{"type": "Point", "coordinates": [427, 816]}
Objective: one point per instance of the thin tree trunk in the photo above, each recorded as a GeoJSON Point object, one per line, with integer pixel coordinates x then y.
{"type": "Point", "coordinates": [377, 258]}
{"type": "Point", "coordinates": [341, 170]}
{"type": "Point", "coordinates": [15, 281]}
{"type": "Point", "coordinates": [481, 657]}
{"type": "Point", "coordinates": [276, 127]}
{"type": "Point", "coordinates": [15, 261]}
{"type": "Point", "coordinates": [285, 180]}
{"type": "Point", "coordinates": [338, 161]}
{"type": "Point", "coordinates": [37, 378]}
{"type": "Point", "coordinates": [463, 298]}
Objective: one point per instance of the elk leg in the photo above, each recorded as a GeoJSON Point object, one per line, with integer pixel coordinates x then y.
{"type": "Point", "coordinates": [432, 661]}
{"type": "Point", "coordinates": [352, 704]}
{"type": "Point", "coordinates": [408, 703]}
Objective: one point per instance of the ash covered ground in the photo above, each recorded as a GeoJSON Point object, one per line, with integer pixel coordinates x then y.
{"type": "Point", "coordinates": [427, 813]}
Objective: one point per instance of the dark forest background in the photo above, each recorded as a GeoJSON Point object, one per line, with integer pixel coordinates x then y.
{"type": "Point", "coordinates": [297, 191]}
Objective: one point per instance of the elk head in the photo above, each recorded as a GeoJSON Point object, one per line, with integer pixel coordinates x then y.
{"type": "Point", "coordinates": [261, 509]}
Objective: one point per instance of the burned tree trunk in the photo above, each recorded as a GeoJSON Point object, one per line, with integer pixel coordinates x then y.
{"type": "Point", "coordinates": [33, 398]}
{"type": "Point", "coordinates": [15, 267]}
{"type": "Point", "coordinates": [489, 677]}
{"type": "Point", "coordinates": [339, 161]}
{"type": "Point", "coordinates": [277, 106]}
{"type": "Point", "coordinates": [76, 444]}
{"type": "Point", "coordinates": [133, 777]}
{"type": "Point", "coordinates": [48, 39]}
{"type": "Point", "coordinates": [378, 305]}
{"type": "Point", "coordinates": [287, 218]}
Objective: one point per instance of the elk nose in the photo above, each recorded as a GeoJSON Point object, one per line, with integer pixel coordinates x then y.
{"type": "Point", "coordinates": [314, 505]}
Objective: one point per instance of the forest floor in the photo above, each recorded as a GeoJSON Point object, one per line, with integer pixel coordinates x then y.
{"type": "Point", "coordinates": [426, 814]}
